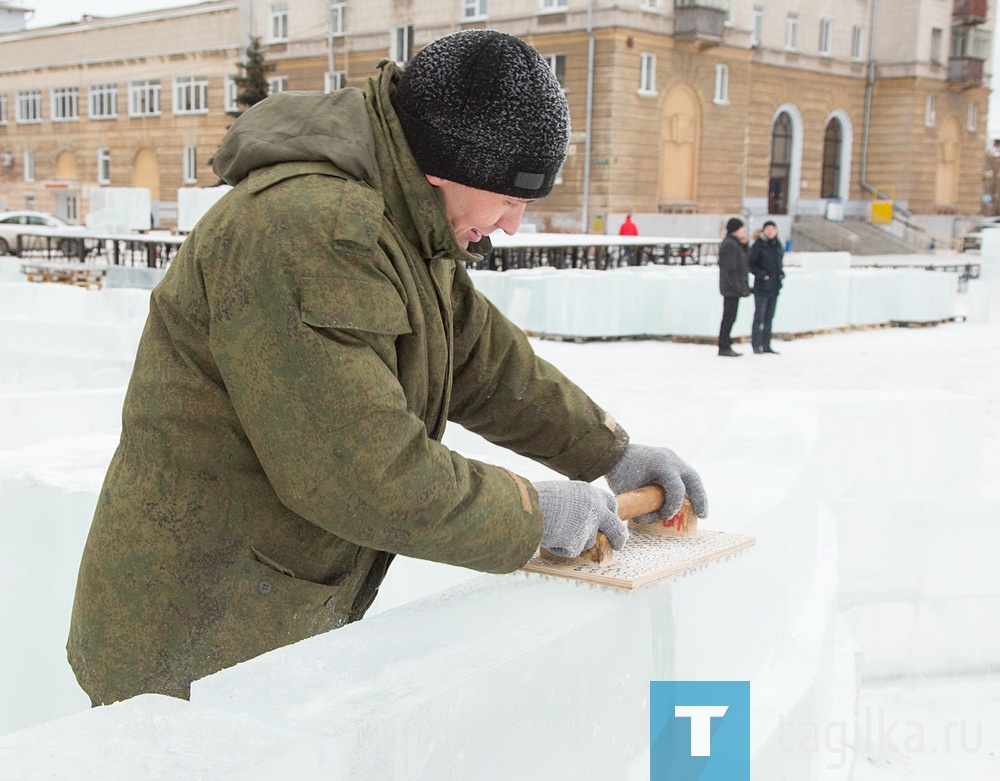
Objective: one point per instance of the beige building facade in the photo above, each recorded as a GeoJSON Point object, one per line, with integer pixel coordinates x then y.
{"type": "Point", "coordinates": [779, 107]}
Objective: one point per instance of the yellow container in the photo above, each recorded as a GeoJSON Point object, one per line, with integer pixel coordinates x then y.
{"type": "Point", "coordinates": [881, 212]}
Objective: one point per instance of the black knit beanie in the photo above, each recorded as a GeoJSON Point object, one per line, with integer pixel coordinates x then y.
{"type": "Point", "coordinates": [482, 108]}
{"type": "Point", "coordinates": [733, 225]}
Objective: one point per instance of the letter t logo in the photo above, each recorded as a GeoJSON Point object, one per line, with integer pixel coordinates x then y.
{"type": "Point", "coordinates": [701, 725]}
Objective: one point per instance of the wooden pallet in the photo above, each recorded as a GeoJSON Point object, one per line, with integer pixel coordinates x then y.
{"type": "Point", "coordinates": [89, 277]}
{"type": "Point", "coordinates": [647, 558]}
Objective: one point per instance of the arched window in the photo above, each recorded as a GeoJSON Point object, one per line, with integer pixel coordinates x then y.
{"type": "Point", "coordinates": [833, 142]}
{"type": "Point", "coordinates": [781, 165]}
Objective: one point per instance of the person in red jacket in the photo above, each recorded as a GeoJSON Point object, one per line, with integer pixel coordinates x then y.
{"type": "Point", "coordinates": [628, 228]}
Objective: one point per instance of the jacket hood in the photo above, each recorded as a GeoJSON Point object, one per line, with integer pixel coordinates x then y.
{"type": "Point", "coordinates": [301, 127]}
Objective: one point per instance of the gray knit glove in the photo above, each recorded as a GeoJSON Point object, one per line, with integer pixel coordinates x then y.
{"type": "Point", "coordinates": [572, 514]}
{"type": "Point", "coordinates": [641, 465]}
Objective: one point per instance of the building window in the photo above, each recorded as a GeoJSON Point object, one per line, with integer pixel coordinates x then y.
{"type": "Point", "coordinates": [824, 36]}
{"type": "Point", "coordinates": [338, 9]}
{"type": "Point", "coordinates": [792, 32]}
{"type": "Point", "coordinates": [833, 142]}
{"type": "Point", "coordinates": [104, 166]}
{"type": "Point", "coordinates": [937, 36]}
{"type": "Point", "coordinates": [930, 111]}
{"type": "Point", "coordinates": [65, 104]}
{"type": "Point", "coordinates": [230, 90]}
{"type": "Point", "coordinates": [721, 83]}
{"type": "Point", "coordinates": [190, 165]}
{"type": "Point", "coordinates": [103, 101]}
{"type": "Point", "coordinates": [857, 35]}
{"type": "Point", "coordinates": [647, 74]}
{"type": "Point", "coordinates": [401, 48]}
{"type": "Point", "coordinates": [473, 10]}
{"type": "Point", "coordinates": [557, 63]}
{"type": "Point", "coordinates": [29, 106]}
{"type": "Point", "coordinates": [277, 84]}
{"type": "Point", "coordinates": [650, 5]}
{"type": "Point", "coordinates": [3, 108]}
{"type": "Point", "coordinates": [554, 5]}
{"type": "Point", "coordinates": [279, 22]}
{"type": "Point", "coordinates": [972, 117]}
{"type": "Point", "coordinates": [191, 95]}
{"type": "Point", "coordinates": [757, 31]}
{"type": "Point", "coordinates": [29, 165]}
{"type": "Point", "coordinates": [334, 81]}
{"type": "Point", "coordinates": [144, 98]}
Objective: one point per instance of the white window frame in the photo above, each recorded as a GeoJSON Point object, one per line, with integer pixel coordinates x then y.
{"type": "Point", "coordinates": [230, 91]}
{"type": "Point", "coordinates": [102, 101]}
{"type": "Point", "coordinates": [337, 19]}
{"type": "Point", "coordinates": [104, 166]}
{"type": "Point", "coordinates": [3, 108]}
{"type": "Point", "coordinates": [191, 95]}
{"type": "Point", "coordinates": [649, 5]}
{"type": "Point", "coordinates": [857, 42]}
{"type": "Point", "coordinates": [29, 107]}
{"type": "Point", "coordinates": [557, 64]}
{"type": "Point", "coordinates": [554, 6]}
{"type": "Point", "coordinates": [937, 44]}
{"type": "Point", "coordinates": [278, 23]}
{"type": "Point", "coordinates": [825, 37]}
{"type": "Point", "coordinates": [721, 84]}
{"type": "Point", "coordinates": [144, 98]}
{"type": "Point", "coordinates": [792, 32]}
{"type": "Point", "coordinates": [475, 10]}
{"type": "Point", "coordinates": [65, 104]}
{"type": "Point", "coordinates": [930, 111]}
{"type": "Point", "coordinates": [334, 81]}
{"type": "Point", "coordinates": [28, 159]}
{"type": "Point", "coordinates": [276, 84]}
{"type": "Point", "coordinates": [647, 74]}
{"type": "Point", "coordinates": [972, 116]}
{"type": "Point", "coordinates": [401, 43]}
{"type": "Point", "coordinates": [757, 26]}
{"type": "Point", "coordinates": [190, 165]}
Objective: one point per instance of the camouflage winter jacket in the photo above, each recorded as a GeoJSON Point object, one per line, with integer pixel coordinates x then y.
{"type": "Point", "coordinates": [281, 434]}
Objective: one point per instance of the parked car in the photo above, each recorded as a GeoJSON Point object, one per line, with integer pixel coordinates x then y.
{"type": "Point", "coordinates": [70, 240]}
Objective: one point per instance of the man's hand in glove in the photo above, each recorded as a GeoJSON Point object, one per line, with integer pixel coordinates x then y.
{"type": "Point", "coordinates": [641, 465]}
{"type": "Point", "coordinates": [572, 514]}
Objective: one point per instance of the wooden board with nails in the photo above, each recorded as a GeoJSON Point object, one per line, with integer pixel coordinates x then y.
{"type": "Point", "coordinates": [647, 558]}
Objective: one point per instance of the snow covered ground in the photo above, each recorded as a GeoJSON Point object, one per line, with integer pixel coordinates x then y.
{"type": "Point", "coordinates": [60, 414]}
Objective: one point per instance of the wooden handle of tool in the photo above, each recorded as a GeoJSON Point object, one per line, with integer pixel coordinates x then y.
{"type": "Point", "coordinates": [631, 504]}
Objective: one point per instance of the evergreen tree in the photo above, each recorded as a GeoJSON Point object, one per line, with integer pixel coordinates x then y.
{"type": "Point", "coordinates": [252, 81]}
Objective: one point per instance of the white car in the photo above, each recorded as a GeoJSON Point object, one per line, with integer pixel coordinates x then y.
{"type": "Point", "coordinates": [69, 238]}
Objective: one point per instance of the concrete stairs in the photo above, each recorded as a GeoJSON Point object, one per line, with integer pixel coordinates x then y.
{"type": "Point", "coordinates": [812, 233]}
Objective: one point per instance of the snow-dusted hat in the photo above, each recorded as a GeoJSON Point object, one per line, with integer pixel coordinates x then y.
{"type": "Point", "coordinates": [482, 108]}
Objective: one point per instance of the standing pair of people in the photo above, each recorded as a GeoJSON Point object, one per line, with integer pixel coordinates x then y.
{"type": "Point", "coordinates": [765, 262]}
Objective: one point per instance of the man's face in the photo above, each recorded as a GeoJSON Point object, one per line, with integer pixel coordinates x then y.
{"type": "Point", "coordinates": [770, 231]}
{"type": "Point", "coordinates": [476, 213]}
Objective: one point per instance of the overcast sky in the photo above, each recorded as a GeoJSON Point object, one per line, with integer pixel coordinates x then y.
{"type": "Point", "coordinates": [57, 11]}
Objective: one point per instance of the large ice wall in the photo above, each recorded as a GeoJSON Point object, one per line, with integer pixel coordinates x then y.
{"type": "Point", "coordinates": [872, 500]}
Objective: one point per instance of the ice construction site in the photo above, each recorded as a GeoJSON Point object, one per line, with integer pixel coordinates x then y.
{"type": "Point", "coordinates": [863, 459]}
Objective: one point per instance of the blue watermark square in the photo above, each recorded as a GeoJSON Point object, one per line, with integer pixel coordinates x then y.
{"type": "Point", "coordinates": [699, 731]}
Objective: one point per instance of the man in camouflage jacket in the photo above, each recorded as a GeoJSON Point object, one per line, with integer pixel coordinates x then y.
{"type": "Point", "coordinates": [281, 434]}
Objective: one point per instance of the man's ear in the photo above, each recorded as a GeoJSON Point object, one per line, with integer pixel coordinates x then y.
{"type": "Point", "coordinates": [435, 181]}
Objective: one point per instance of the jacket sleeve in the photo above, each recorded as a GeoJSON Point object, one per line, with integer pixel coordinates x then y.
{"type": "Point", "coordinates": [510, 396]}
{"type": "Point", "coordinates": [756, 256]}
{"type": "Point", "coordinates": [303, 333]}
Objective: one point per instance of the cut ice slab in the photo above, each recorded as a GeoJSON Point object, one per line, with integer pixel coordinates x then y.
{"type": "Point", "coordinates": [647, 558]}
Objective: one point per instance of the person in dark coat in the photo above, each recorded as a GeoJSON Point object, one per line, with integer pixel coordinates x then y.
{"type": "Point", "coordinates": [766, 256]}
{"type": "Point", "coordinates": [733, 285]}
